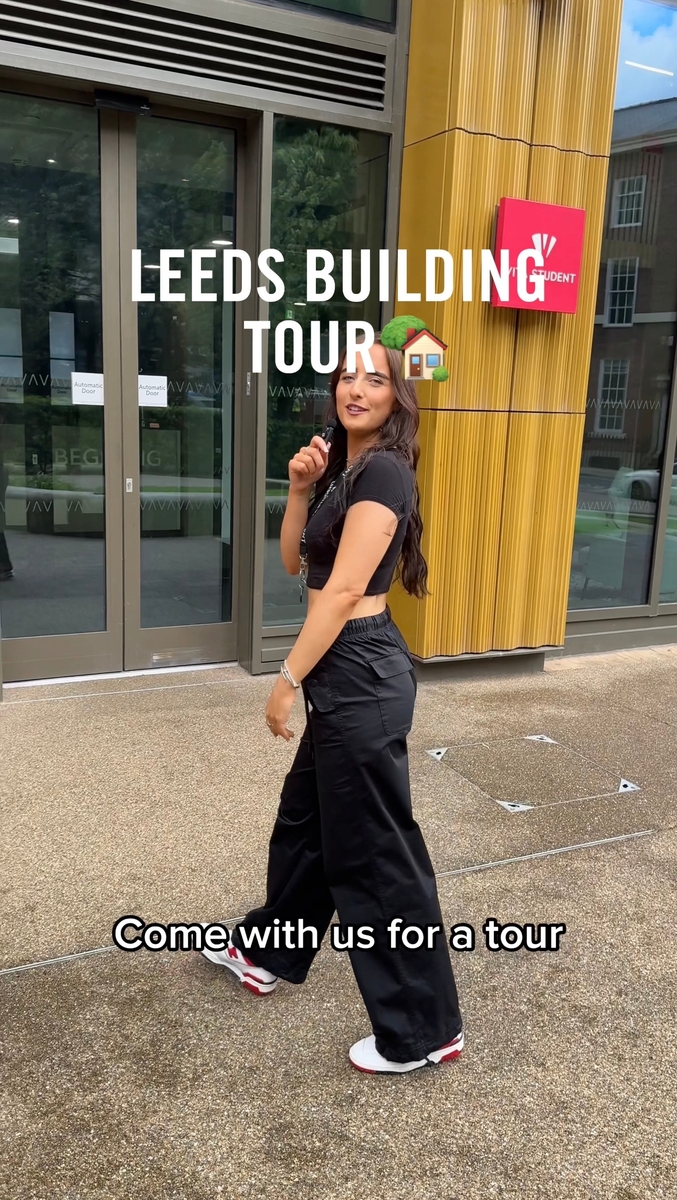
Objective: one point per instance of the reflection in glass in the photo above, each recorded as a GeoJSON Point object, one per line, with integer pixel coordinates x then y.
{"type": "Point", "coordinates": [371, 10]}
{"type": "Point", "coordinates": [633, 346]}
{"type": "Point", "coordinates": [329, 193]}
{"type": "Point", "coordinates": [186, 177]}
{"type": "Point", "coordinates": [668, 590]}
{"type": "Point", "coordinates": [647, 57]}
{"type": "Point", "coordinates": [52, 549]}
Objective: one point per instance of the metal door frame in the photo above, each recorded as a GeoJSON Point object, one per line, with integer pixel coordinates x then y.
{"type": "Point", "coordinates": [124, 645]}
{"type": "Point", "coordinates": [172, 645]}
{"type": "Point", "coordinates": [55, 655]}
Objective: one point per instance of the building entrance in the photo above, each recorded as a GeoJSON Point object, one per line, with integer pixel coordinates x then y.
{"type": "Point", "coordinates": [116, 418]}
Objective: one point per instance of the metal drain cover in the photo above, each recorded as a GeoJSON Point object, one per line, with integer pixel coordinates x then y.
{"type": "Point", "coordinates": [532, 771]}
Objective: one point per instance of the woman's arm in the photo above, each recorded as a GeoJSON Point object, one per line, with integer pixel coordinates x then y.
{"type": "Point", "coordinates": [293, 523]}
{"type": "Point", "coordinates": [368, 530]}
{"type": "Point", "coordinates": [305, 468]}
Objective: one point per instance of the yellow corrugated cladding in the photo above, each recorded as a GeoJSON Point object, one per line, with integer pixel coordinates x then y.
{"type": "Point", "coordinates": [454, 206]}
{"type": "Point", "coordinates": [539, 496]}
{"type": "Point", "coordinates": [552, 350]}
{"type": "Point", "coordinates": [505, 98]}
{"type": "Point", "coordinates": [467, 501]}
{"type": "Point", "coordinates": [469, 65]}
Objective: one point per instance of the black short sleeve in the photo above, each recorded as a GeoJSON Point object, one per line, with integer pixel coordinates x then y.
{"type": "Point", "coordinates": [386, 480]}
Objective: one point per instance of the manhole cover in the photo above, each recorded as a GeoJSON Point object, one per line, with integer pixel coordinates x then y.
{"type": "Point", "coordinates": [529, 771]}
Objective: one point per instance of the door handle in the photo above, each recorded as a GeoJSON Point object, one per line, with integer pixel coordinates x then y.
{"type": "Point", "coordinates": [129, 485]}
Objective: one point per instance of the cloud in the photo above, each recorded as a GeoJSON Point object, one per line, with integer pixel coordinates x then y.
{"type": "Point", "coordinates": [648, 36]}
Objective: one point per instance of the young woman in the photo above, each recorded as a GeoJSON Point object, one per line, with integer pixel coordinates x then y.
{"type": "Point", "coordinates": [345, 838]}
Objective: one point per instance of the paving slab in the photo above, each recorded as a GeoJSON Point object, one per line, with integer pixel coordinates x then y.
{"type": "Point", "coordinates": [153, 802]}
{"type": "Point", "coordinates": [526, 771]}
{"type": "Point", "coordinates": [109, 685]}
{"type": "Point", "coordinates": [158, 1076]}
{"type": "Point", "coordinates": [153, 1076]}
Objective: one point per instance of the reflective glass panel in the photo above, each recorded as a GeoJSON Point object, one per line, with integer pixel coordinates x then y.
{"type": "Point", "coordinates": [329, 193]}
{"type": "Point", "coordinates": [52, 520]}
{"type": "Point", "coordinates": [371, 10]}
{"type": "Point", "coordinates": [186, 174]}
{"type": "Point", "coordinates": [635, 325]}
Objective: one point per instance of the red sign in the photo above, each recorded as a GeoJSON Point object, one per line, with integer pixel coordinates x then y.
{"type": "Point", "coordinates": [545, 245]}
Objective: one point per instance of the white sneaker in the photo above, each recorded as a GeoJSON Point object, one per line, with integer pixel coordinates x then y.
{"type": "Point", "coordinates": [255, 979]}
{"type": "Point", "coordinates": [366, 1057]}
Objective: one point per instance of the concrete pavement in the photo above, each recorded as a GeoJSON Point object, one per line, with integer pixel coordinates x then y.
{"type": "Point", "coordinates": [155, 1075]}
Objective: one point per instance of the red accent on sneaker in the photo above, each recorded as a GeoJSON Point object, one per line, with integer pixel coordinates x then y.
{"type": "Point", "coordinates": [233, 953]}
{"type": "Point", "coordinates": [453, 1049]}
{"type": "Point", "coordinates": [252, 986]}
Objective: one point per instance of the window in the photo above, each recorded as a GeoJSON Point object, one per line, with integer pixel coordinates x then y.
{"type": "Point", "coordinates": [432, 360]}
{"type": "Point", "coordinates": [382, 11]}
{"type": "Point", "coordinates": [621, 286]}
{"type": "Point", "coordinates": [328, 189]}
{"type": "Point", "coordinates": [628, 201]}
{"type": "Point", "coordinates": [613, 387]}
{"type": "Point", "coordinates": [623, 453]}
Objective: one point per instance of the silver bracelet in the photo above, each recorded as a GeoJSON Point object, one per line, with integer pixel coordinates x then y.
{"type": "Point", "coordinates": [286, 674]}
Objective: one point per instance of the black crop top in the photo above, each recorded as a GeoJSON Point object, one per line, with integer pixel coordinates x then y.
{"type": "Point", "coordinates": [386, 479]}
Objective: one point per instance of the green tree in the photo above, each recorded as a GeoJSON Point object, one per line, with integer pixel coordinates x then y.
{"type": "Point", "coordinates": [396, 332]}
{"type": "Point", "coordinates": [316, 190]}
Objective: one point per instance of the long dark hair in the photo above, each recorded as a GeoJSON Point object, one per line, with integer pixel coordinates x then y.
{"type": "Point", "coordinates": [398, 433]}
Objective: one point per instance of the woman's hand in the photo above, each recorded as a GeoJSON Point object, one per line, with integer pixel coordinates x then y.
{"type": "Point", "coordinates": [280, 703]}
{"type": "Point", "coordinates": [309, 465]}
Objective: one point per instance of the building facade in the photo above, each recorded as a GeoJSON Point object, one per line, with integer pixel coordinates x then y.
{"type": "Point", "coordinates": [143, 458]}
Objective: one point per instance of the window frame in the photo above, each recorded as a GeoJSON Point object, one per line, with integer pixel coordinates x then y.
{"type": "Point", "coordinates": [615, 203]}
{"type": "Point", "coordinates": [607, 292]}
{"type": "Point", "coordinates": [610, 433]}
{"type": "Point", "coordinates": [312, 8]}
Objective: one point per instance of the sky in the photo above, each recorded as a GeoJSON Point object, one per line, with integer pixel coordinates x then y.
{"type": "Point", "coordinates": [648, 37]}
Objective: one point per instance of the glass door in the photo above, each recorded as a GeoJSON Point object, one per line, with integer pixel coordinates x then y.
{"type": "Point", "coordinates": [179, 551]}
{"type": "Point", "coordinates": [116, 418]}
{"type": "Point", "coordinates": [60, 537]}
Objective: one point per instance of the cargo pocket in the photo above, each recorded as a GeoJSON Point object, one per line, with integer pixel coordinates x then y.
{"type": "Point", "coordinates": [396, 690]}
{"type": "Point", "coordinates": [319, 692]}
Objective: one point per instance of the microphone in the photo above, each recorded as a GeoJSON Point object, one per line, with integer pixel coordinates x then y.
{"type": "Point", "coordinates": [329, 432]}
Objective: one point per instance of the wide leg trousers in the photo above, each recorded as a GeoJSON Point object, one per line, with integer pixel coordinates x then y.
{"type": "Point", "coordinates": [345, 840]}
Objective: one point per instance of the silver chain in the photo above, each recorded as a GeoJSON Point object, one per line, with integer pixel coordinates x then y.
{"type": "Point", "coordinates": [303, 555]}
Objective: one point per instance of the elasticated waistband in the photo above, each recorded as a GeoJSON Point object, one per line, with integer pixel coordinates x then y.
{"type": "Point", "coordinates": [361, 625]}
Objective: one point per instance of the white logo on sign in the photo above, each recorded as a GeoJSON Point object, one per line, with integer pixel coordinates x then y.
{"type": "Point", "coordinates": [544, 243]}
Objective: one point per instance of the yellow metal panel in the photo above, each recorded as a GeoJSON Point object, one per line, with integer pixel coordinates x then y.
{"type": "Point", "coordinates": [472, 65]}
{"type": "Point", "coordinates": [474, 172]}
{"type": "Point", "coordinates": [422, 204]}
{"type": "Point", "coordinates": [461, 483]}
{"type": "Point", "coordinates": [430, 67]}
{"type": "Point", "coordinates": [539, 508]}
{"type": "Point", "coordinates": [573, 106]}
{"type": "Point", "coordinates": [552, 350]}
{"type": "Point", "coordinates": [501, 439]}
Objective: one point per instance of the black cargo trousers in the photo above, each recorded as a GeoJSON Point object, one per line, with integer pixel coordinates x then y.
{"type": "Point", "coordinates": [345, 840]}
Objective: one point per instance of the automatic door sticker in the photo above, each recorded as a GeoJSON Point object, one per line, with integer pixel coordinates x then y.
{"type": "Point", "coordinates": [627, 786]}
{"type": "Point", "coordinates": [437, 754]}
{"type": "Point", "coordinates": [540, 737]}
{"type": "Point", "coordinates": [513, 807]}
{"type": "Point", "coordinates": [152, 391]}
{"type": "Point", "coordinates": [86, 387]}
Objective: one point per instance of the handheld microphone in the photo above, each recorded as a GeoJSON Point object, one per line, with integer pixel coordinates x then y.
{"type": "Point", "coordinates": [329, 431]}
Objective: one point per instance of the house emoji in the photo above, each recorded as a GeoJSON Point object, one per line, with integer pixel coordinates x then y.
{"type": "Point", "coordinates": [422, 353]}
